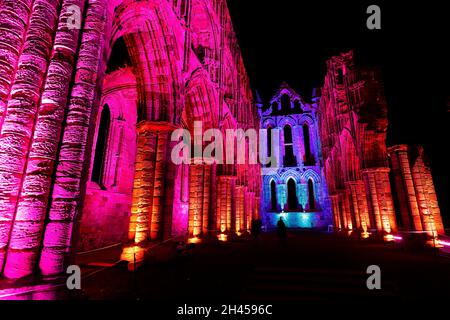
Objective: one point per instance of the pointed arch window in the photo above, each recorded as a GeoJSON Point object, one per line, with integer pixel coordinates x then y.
{"type": "Point", "coordinates": [269, 141]}
{"type": "Point", "coordinates": [311, 196]}
{"type": "Point", "coordinates": [285, 103]}
{"type": "Point", "coordinates": [292, 195]}
{"type": "Point", "coordinates": [100, 147]}
{"type": "Point", "coordinates": [289, 158]}
{"type": "Point", "coordinates": [273, 195]}
{"type": "Point", "coordinates": [298, 106]}
{"type": "Point", "coordinates": [309, 160]}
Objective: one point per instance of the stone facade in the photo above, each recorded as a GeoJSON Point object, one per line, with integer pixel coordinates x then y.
{"type": "Point", "coordinates": [294, 189]}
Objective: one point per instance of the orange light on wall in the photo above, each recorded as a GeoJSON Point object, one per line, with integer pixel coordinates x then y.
{"type": "Point", "coordinates": [132, 253]}
{"type": "Point", "coordinates": [194, 240]}
{"type": "Point", "coordinates": [222, 237]}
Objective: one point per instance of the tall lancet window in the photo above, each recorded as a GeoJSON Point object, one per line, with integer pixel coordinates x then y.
{"type": "Point", "coordinates": [269, 142]}
{"type": "Point", "coordinates": [311, 196]}
{"type": "Point", "coordinates": [309, 160]}
{"type": "Point", "coordinates": [292, 194]}
{"type": "Point", "coordinates": [285, 103]}
{"type": "Point", "coordinates": [100, 147]}
{"type": "Point", "coordinates": [273, 196]}
{"type": "Point", "coordinates": [289, 158]}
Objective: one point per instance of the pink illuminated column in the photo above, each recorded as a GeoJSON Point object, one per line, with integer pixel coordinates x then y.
{"type": "Point", "coordinates": [71, 174]}
{"type": "Point", "coordinates": [15, 17]}
{"type": "Point", "coordinates": [33, 201]}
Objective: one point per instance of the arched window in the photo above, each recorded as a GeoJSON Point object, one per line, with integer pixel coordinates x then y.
{"type": "Point", "coordinates": [287, 134]}
{"type": "Point", "coordinates": [100, 147]}
{"type": "Point", "coordinates": [306, 139]}
{"type": "Point", "coordinates": [274, 106]}
{"type": "Point", "coordinates": [311, 197]}
{"type": "Point", "coordinates": [273, 196]}
{"type": "Point", "coordinates": [340, 76]}
{"type": "Point", "coordinates": [269, 141]}
{"type": "Point", "coordinates": [285, 103]}
{"type": "Point", "coordinates": [289, 158]}
{"type": "Point", "coordinates": [298, 106]}
{"type": "Point", "coordinates": [119, 57]}
{"type": "Point", "coordinates": [292, 194]}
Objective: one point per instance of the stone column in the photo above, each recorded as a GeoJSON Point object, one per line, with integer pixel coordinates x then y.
{"type": "Point", "coordinates": [26, 41]}
{"type": "Point", "coordinates": [353, 201]}
{"type": "Point", "coordinates": [206, 198]}
{"type": "Point", "coordinates": [336, 216]}
{"type": "Point", "coordinates": [404, 186]}
{"type": "Point", "coordinates": [434, 206]}
{"type": "Point", "coordinates": [240, 208]}
{"type": "Point", "coordinates": [225, 198]}
{"type": "Point", "coordinates": [144, 180]}
{"type": "Point", "coordinates": [74, 150]}
{"type": "Point", "coordinates": [257, 211]}
{"type": "Point", "coordinates": [362, 205]}
{"type": "Point", "coordinates": [196, 180]}
{"type": "Point", "coordinates": [379, 191]}
{"type": "Point", "coordinates": [420, 186]}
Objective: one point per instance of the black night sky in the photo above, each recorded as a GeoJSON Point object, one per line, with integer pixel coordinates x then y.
{"type": "Point", "coordinates": [289, 40]}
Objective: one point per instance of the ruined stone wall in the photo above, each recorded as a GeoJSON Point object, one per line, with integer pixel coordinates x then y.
{"type": "Point", "coordinates": [353, 124]}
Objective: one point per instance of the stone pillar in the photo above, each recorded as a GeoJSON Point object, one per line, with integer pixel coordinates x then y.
{"type": "Point", "coordinates": [214, 211]}
{"type": "Point", "coordinates": [144, 179]}
{"type": "Point", "coordinates": [248, 210]}
{"type": "Point", "coordinates": [240, 208]}
{"type": "Point", "coordinates": [347, 210]}
{"type": "Point", "coordinates": [404, 186]}
{"type": "Point", "coordinates": [353, 202]}
{"type": "Point", "coordinates": [378, 189]}
{"type": "Point", "coordinates": [362, 205]}
{"type": "Point", "coordinates": [199, 199]}
{"type": "Point", "coordinates": [336, 215]}
{"type": "Point", "coordinates": [426, 198]}
{"type": "Point", "coordinates": [432, 198]}
{"type": "Point", "coordinates": [74, 150]}
{"type": "Point", "coordinates": [225, 198]}
{"type": "Point", "coordinates": [195, 199]}
{"type": "Point", "coordinates": [257, 213]}
{"type": "Point", "coordinates": [206, 198]}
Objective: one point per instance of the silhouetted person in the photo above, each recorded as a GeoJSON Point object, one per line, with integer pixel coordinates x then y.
{"type": "Point", "coordinates": [256, 227]}
{"type": "Point", "coordinates": [281, 230]}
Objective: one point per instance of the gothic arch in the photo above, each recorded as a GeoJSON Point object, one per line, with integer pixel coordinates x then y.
{"type": "Point", "coordinates": [201, 101]}
{"type": "Point", "coordinates": [287, 120]}
{"type": "Point", "coordinates": [290, 174]}
{"type": "Point", "coordinates": [311, 174]}
{"type": "Point", "coordinates": [156, 60]}
{"type": "Point", "coordinates": [304, 118]}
